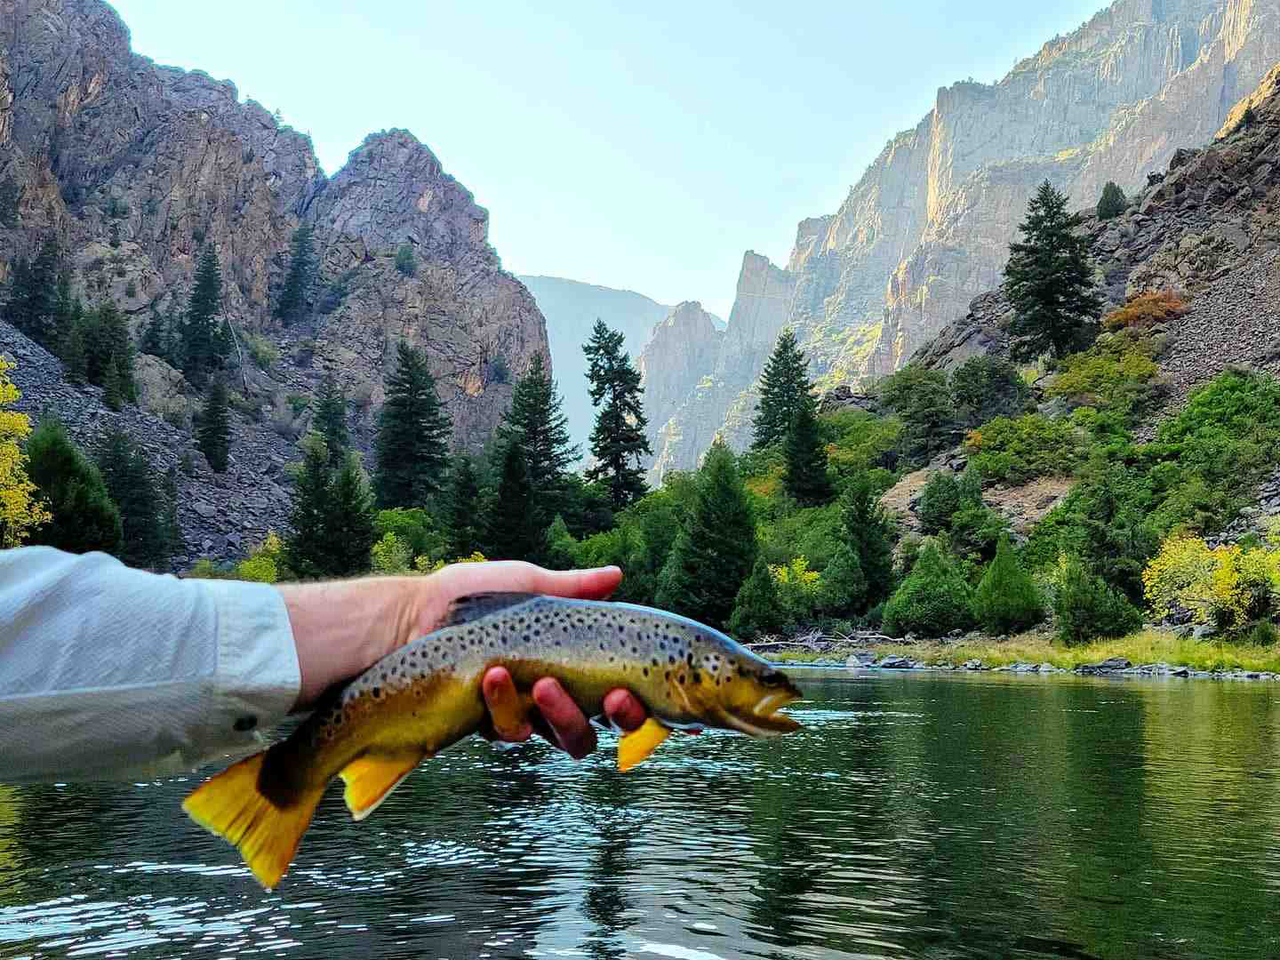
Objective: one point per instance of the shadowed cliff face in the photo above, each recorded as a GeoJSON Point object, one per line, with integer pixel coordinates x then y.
{"type": "Point", "coordinates": [927, 227]}
{"type": "Point", "coordinates": [136, 168]}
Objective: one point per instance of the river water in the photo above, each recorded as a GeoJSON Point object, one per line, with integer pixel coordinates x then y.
{"type": "Point", "coordinates": [934, 816]}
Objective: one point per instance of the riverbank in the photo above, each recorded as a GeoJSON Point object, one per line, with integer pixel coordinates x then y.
{"type": "Point", "coordinates": [1147, 653]}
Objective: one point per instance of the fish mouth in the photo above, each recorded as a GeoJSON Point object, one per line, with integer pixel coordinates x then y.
{"type": "Point", "coordinates": [767, 719]}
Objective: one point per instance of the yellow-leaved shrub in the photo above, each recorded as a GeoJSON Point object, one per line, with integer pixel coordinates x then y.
{"type": "Point", "coordinates": [21, 507]}
{"type": "Point", "coordinates": [1227, 585]}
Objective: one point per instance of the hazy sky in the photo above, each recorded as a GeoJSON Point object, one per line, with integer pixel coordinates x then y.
{"type": "Point", "coordinates": [642, 145]}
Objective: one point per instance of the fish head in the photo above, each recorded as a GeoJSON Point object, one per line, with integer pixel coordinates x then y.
{"type": "Point", "coordinates": [753, 695]}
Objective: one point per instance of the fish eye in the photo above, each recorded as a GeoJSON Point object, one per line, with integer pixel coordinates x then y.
{"type": "Point", "coordinates": [773, 678]}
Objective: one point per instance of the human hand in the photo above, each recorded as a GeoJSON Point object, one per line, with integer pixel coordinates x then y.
{"type": "Point", "coordinates": [344, 627]}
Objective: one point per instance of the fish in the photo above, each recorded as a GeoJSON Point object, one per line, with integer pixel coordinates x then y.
{"type": "Point", "coordinates": [426, 695]}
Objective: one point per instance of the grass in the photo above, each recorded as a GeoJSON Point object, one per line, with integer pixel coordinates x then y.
{"type": "Point", "coordinates": [1146, 646]}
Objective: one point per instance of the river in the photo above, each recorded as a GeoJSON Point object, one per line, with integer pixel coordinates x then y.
{"type": "Point", "coordinates": [935, 816]}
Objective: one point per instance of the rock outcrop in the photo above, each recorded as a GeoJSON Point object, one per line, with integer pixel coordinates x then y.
{"type": "Point", "coordinates": [927, 227]}
{"type": "Point", "coordinates": [136, 168]}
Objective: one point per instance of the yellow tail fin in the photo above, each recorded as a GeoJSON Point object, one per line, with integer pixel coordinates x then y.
{"type": "Point", "coordinates": [635, 746]}
{"type": "Point", "coordinates": [267, 836]}
{"type": "Point", "coordinates": [370, 780]}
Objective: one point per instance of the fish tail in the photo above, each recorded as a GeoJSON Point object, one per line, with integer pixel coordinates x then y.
{"type": "Point", "coordinates": [233, 806]}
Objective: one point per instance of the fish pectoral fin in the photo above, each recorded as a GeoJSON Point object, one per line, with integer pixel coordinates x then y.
{"type": "Point", "coordinates": [635, 746]}
{"type": "Point", "coordinates": [371, 778]}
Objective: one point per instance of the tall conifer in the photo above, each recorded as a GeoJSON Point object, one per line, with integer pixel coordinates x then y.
{"type": "Point", "coordinates": [805, 476]}
{"type": "Point", "coordinates": [214, 434]}
{"type": "Point", "coordinates": [869, 532]}
{"type": "Point", "coordinates": [413, 434]}
{"type": "Point", "coordinates": [331, 419]}
{"type": "Point", "coordinates": [618, 440]}
{"type": "Point", "coordinates": [349, 520]}
{"type": "Point", "coordinates": [205, 341]}
{"type": "Point", "coordinates": [292, 305]}
{"type": "Point", "coordinates": [462, 516]}
{"type": "Point", "coordinates": [514, 533]}
{"type": "Point", "coordinates": [85, 518]}
{"type": "Point", "coordinates": [130, 481]}
{"type": "Point", "coordinates": [307, 546]}
{"type": "Point", "coordinates": [784, 387]}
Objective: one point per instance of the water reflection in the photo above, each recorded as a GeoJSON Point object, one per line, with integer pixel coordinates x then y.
{"type": "Point", "coordinates": [937, 817]}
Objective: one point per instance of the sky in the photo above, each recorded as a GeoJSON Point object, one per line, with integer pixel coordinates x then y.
{"type": "Point", "coordinates": [642, 146]}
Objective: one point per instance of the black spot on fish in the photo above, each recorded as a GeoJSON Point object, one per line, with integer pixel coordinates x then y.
{"type": "Point", "coordinates": [697, 677]}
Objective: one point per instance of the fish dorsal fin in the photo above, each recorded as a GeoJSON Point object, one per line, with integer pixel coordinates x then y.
{"type": "Point", "coordinates": [477, 605]}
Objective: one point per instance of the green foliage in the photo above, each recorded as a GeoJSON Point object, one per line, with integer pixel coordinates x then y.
{"type": "Point", "coordinates": [261, 350]}
{"type": "Point", "coordinates": [785, 387]}
{"type": "Point", "coordinates": [462, 513]}
{"type": "Point", "coordinates": [292, 305]}
{"type": "Point", "coordinates": [805, 477]}
{"type": "Point", "coordinates": [716, 547]}
{"type": "Point", "coordinates": [1006, 600]}
{"type": "Point", "coordinates": [922, 400]}
{"type": "Point", "coordinates": [84, 517]}
{"type": "Point", "coordinates": [514, 532]}
{"type": "Point", "coordinates": [536, 425]}
{"type": "Point", "coordinates": [413, 527]}
{"type": "Point", "coordinates": [940, 500]}
{"type": "Point", "coordinates": [170, 529]}
{"type": "Point", "coordinates": [413, 434]}
{"type": "Point", "coordinates": [871, 536]}
{"type": "Point", "coordinates": [10, 193]}
{"type": "Point", "coordinates": [213, 438]}
{"type": "Point", "coordinates": [406, 260]}
{"type": "Point", "coordinates": [31, 304]}
{"type": "Point", "coordinates": [986, 387]}
{"type": "Point", "coordinates": [1247, 119]}
{"type": "Point", "coordinates": [1086, 608]}
{"type": "Point", "coordinates": [336, 292]}
{"type": "Point", "coordinates": [1116, 373]}
{"type": "Point", "coordinates": [390, 556]}
{"type": "Point", "coordinates": [331, 420]}
{"type": "Point", "coordinates": [349, 520]}
{"type": "Point", "coordinates": [861, 442]}
{"type": "Point", "coordinates": [265, 563]}
{"type": "Point", "coordinates": [842, 592]}
{"type": "Point", "coordinates": [307, 546]}
{"type": "Point", "coordinates": [1112, 203]}
{"type": "Point", "coordinates": [1017, 451]}
{"type": "Point", "coordinates": [618, 440]}
{"type": "Point", "coordinates": [130, 481]}
{"type": "Point", "coordinates": [757, 610]}
{"type": "Point", "coordinates": [498, 370]}
{"type": "Point", "coordinates": [206, 341]}
{"type": "Point", "coordinates": [932, 601]}
{"type": "Point", "coordinates": [1049, 280]}
{"type": "Point", "coordinates": [333, 520]}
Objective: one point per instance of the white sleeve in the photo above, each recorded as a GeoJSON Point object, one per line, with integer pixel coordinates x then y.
{"type": "Point", "coordinates": [108, 672]}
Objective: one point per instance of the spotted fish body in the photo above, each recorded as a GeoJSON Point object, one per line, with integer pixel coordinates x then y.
{"type": "Point", "coordinates": [427, 695]}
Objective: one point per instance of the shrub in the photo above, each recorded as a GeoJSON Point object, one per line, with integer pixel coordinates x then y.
{"type": "Point", "coordinates": [1007, 600]}
{"type": "Point", "coordinates": [1112, 203]}
{"type": "Point", "coordinates": [757, 610]}
{"type": "Point", "coordinates": [843, 587]}
{"type": "Point", "coordinates": [1115, 372]}
{"type": "Point", "coordinates": [265, 563]}
{"type": "Point", "coordinates": [1145, 310]}
{"type": "Point", "coordinates": [987, 387]}
{"type": "Point", "coordinates": [1227, 586]}
{"type": "Point", "coordinates": [499, 372]}
{"type": "Point", "coordinates": [940, 500]}
{"type": "Point", "coordinates": [1017, 451]}
{"type": "Point", "coordinates": [932, 601]}
{"type": "Point", "coordinates": [922, 401]}
{"type": "Point", "coordinates": [406, 263]}
{"type": "Point", "coordinates": [390, 555]}
{"type": "Point", "coordinates": [1262, 634]}
{"type": "Point", "coordinates": [797, 588]}
{"type": "Point", "coordinates": [1085, 608]}
{"type": "Point", "coordinates": [263, 351]}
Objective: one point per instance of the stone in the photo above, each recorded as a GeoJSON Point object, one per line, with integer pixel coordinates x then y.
{"type": "Point", "coordinates": [973, 664]}
{"type": "Point", "coordinates": [895, 663]}
{"type": "Point", "coordinates": [861, 658]}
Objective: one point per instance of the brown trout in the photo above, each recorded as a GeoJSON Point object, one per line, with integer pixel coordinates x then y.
{"type": "Point", "coordinates": [426, 695]}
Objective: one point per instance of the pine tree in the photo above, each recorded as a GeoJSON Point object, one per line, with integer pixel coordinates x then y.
{"type": "Point", "coordinates": [536, 424]}
{"type": "Point", "coordinates": [205, 344]}
{"type": "Point", "coordinates": [1007, 600]}
{"type": "Point", "coordinates": [113, 388]}
{"type": "Point", "coordinates": [757, 611]}
{"type": "Point", "coordinates": [1049, 280]}
{"type": "Point", "coordinates": [213, 438]}
{"type": "Point", "coordinates": [107, 345]}
{"type": "Point", "coordinates": [1112, 203]}
{"type": "Point", "coordinates": [514, 533]}
{"type": "Point", "coordinates": [805, 477]}
{"type": "Point", "coordinates": [349, 520]}
{"type": "Point", "coordinates": [413, 435]}
{"type": "Point", "coordinates": [331, 419]}
{"type": "Point", "coordinates": [131, 483]}
{"type": "Point", "coordinates": [716, 547]}
{"type": "Point", "coordinates": [869, 533]}
{"type": "Point", "coordinates": [292, 306]}
{"type": "Point", "coordinates": [85, 517]}
{"type": "Point", "coordinates": [934, 599]}
{"type": "Point", "coordinates": [175, 542]}
{"type": "Point", "coordinates": [618, 440]}
{"type": "Point", "coordinates": [784, 388]}
{"type": "Point", "coordinates": [843, 589]}
{"type": "Point", "coordinates": [462, 517]}
{"type": "Point", "coordinates": [75, 360]}
{"type": "Point", "coordinates": [32, 301]}
{"type": "Point", "coordinates": [308, 545]}
{"type": "Point", "coordinates": [155, 336]}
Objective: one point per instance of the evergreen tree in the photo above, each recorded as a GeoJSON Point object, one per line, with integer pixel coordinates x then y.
{"type": "Point", "coordinates": [175, 542]}
{"type": "Point", "coordinates": [113, 388]}
{"type": "Point", "coordinates": [213, 438]}
{"type": "Point", "coordinates": [922, 401]}
{"type": "Point", "coordinates": [155, 336]}
{"type": "Point", "coordinates": [842, 591]}
{"type": "Point", "coordinates": [308, 545]}
{"type": "Point", "coordinates": [716, 547]}
{"type": "Point", "coordinates": [514, 533]}
{"type": "Point", "coordinates": [292, 306]}
{"type": "Point", "coordinates": [870, 535]}
{"type": "Point", "coordinates": [618, 439]}
{"type": "Point", "coordinates": [805, 477]}
{"type": "Point", "coordinates": [205, 342]}
{"type": "Point", "coordinates": [1007, 600]}
{"type": "Point", "coordinates": [934, 599]}
{"type": "Point", "coordinates": [1049, 280]}
{"type": "Point", "coordinates": [131, 483]}
{"type": "Point", "coordinates": [757, 611]}
{"type": "Point", "coordinates": [462, 516]}
{"type": "Point", "coordinates": [349, 520]}
{"type": "Point", "coordinates": [331, 419]}
{"type": "Point", "coordinates": [32, 301]}
{"type": "Point", "coordinates": [107, 346]}
{"type": "Point", "coordinates": [1112, 202]}
{"type": "Point", "coordinates": [536, 424]}
{"type": "Point", "coordinates": [784, 388]}
{"type": "Point", "coordinates": [85, 518]}
{"type": "Point", "coordinates": [72, 350]}
{"type": "Point", "coordinates": [413, 434]}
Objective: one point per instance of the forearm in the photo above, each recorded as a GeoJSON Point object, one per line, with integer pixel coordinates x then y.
{"type": "Point", "coordinates": [108, 672]}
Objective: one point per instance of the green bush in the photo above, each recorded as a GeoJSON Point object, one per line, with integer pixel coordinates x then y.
{"type": "Point", "coordinates": [843, 588]}
{"type": "Point", "coordinates": [940, 500]}
{"type": "Point", "coordinates": [1085, 608]}
{"type": "Point", "coordinates": [1262, 634]}
{"type": "Point", "coordinates": [932, 601]}
{"type": "Point", "coordinates": [1018, 451]}
{"type": "Point", "coordinates": [1112, 203]}
{"type": "Point", "coordinates": [406, 263]}
{"type": "Point", "coordinates": [921, 399]}
{"type": "Point", "coordinates": [1007, 600]}
{"type": "Point", "coordinates": [757, 611]}
{"type": "Point", "coordinates": [986, 387]}
{"type": "Point", "coordinates": [1116, 372]}
{"type": "Point", "coordinates": [263, 351]}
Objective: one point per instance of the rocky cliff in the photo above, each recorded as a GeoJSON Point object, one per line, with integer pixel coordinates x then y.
{"type": "Point", "coordinates": [135, 168]}
{"type": "Point", "coordinates": [927, 227]}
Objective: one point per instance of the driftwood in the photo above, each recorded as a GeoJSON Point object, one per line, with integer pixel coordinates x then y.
{"type": "Point", "coordinates": [818, 642]}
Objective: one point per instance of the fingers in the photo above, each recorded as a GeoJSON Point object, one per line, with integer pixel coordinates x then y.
{"type": "Point", "coordinates": [624, 710]}
{"type": "Point", "coordinates": [572, 731]}
{"type": "Point", "coordinates": [518, 577]}
{"type": "Point", "coordinates": [506, 710]}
